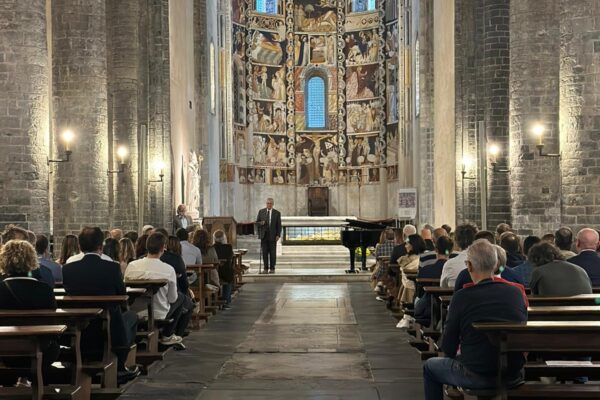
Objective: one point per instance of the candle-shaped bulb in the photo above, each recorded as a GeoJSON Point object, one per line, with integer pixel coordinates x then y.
{"type": "Point", "coordinates": [122, 154]}
{"type": "Point", "coordinates": [538, 130]}
{"type": "Point", "coordinates": [68, 137]}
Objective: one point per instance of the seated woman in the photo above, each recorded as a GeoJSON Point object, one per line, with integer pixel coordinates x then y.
{"type": "Point", "coordinates": [415, 245]}
{"type": "Point", "coordinates": [201, 239]}
{"type": "Point", "coordinates": [68, 248]}
{"type": "Point", "coordinates": [19, 291]}
{"type": "Point", "coordinates": [226, 275]}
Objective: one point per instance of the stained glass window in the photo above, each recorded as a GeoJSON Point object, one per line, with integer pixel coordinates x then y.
{"type": "Point", "coordinates": [266, 6]}
{"type": "Point", "coordinates": [315, 103]}
{"type": "Point", "coordinates": [363, 5]}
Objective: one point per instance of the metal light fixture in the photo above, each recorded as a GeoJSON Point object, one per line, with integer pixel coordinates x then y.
{"type": "Point", "coordinates": [493, 151]}
{"type": "Point", "coordinates": [159, 167]}
{"type": "Point", "coordinates": [538, 131]}
{"type": "Point", "coordinates": [122, 153]}
{"type": "Point", "coordinates": [67, 137]}
{"type": "Point", "coordinates": [467, 162]}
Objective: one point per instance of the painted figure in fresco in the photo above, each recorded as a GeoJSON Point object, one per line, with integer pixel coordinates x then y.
{"type": "Point", "coordinates": [272, 151]}
{"type": "Point", "coordinates": [278, 84]}
{"type": "Point", "coordinates": [260, 176]}
{"type": "Point", "coordinates": [250, 178]}
{"type": "Point", "coordinates": [260, 147]}
{"type": "Point", "coordinates": [193, 185]}
{"type": "Point", "coordinates": [281, 152]}
{"type": "Point", "coordinates": [374, 175]}
{"type": "Point", "coordinates": [310, 21]}
{"type": "Point", "coordinates": [291, 177]}
{"type": "Point", "coordinates": [278, 177]}
{"type": "Point", "coordinates": [278, 121]}
{"type": "Point", "coordinates": [354, 176]}
{"type": "Point", "coordinates": [318, 49]}
{"type": "Point", "coordinates": [266, 48]}
{"type": "Point", "coordinates": [264, 91]}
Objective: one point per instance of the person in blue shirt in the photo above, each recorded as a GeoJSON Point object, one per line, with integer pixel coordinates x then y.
{"type": "Point", "coordinates": [46, 262]}
{"type": "Point", "coordinates": [525, 269]}
{"type": "Point", "coordinates": [476, 367]}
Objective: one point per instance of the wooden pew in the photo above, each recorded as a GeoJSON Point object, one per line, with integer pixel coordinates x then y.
{"type": "Point", "coordinates": [24, 342]}
{"type": "Point", "coordinates": [151, 353]}
{"type": "Point", "coordinates": [107, 366]}
{"type": "Point", "coordinates": [75, 319]}
{"type": "Point", "coordinates": [579, 300]}
{"type": "Point", "coordinates": [199, 289]}
{"type": "Point", "coordinates": [562, 337]}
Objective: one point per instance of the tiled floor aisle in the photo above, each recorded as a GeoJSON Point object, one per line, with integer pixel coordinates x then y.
{"type": "Point", "coordinates": [292, 341]}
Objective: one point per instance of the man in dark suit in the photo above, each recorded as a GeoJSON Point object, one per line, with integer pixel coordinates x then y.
{"type": "Point", "coordinates": [269, 231]}
{"type": "Point", "coordinates": [93, 276]}
{"type": "Point", "coordinates": [182, 218]}
{"type": "Point", "coordinates": [588, 258]}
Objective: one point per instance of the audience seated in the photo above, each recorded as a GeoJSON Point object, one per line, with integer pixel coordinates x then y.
{"type": "Point", "coordinates": [464, 236]}
{"type": "Point", "coordinates": [191, 254]}
{"type": "Point", "coordinates": [116, 234]}
{"type": "Point", "coordinates": [201, 239]}
{"type": "Point", "coordinates": [68, 248]}
{"type": "Point", "coordinates": [429, 257]}
{"type": "Point", "coordinates": [427, 235]}
{"type": "Point", "coordinates": [126, 253]}
{"type": "Point", "coordinates": [476, 366]}
{"type": "Point", "coordinates": [548, 237]}
{"type": "Point", "coordinates": [140, 247]}
{"type": "Point", "coordinates": [588, 258]}
{"type": "Point", "coordinates": [94, 275]}
{"type": "Point", "coordinates": [553, 276]}
{"type": "Point", "coordinates": [226, 275]}
{"type": "Point", "coordinates": [18, 291]}
{"type": "Point", "coordinates": [168, 302]}
{"type": "Point", "coordinates": [525, 269]}
{"type": "Point", "coordinates": [400, 249]}
{"type": "Point", "coordinates": [501, 229]}
{"type": "Point", "coordinates": [447, 228]}
{"type": "Point", "coordinates": [132, 235]}
{"type": "Point", "coordinates": [464, 278]}
{"type": "Point", "coordinates": [41, 248]}
{"type": "Point", "coordinates": [41, 273]}
{"type": "Point", "coordinates": [175, 261]}
{"type": "Point", "coordinates": [383, 249]}
{"type": "Point", "coordinates": [512, 245]}
{"type": "Point", "coordinates": [563, 239]}
{"type": "Point", "coordinates": [487, 235]}
{"type": "Point", "coordinates": [415, 245]}
{"type": "Point", "coordinates": [111, 248]}
{"type": "Point", "coordinates": [147, 230]}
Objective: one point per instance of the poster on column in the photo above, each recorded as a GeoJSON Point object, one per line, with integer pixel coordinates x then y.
{"type": "Point", "coordinates": [407, 203]}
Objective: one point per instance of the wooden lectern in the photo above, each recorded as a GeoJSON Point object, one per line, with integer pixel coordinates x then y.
{"type": "Point", "coordinates": [318, 201]}
{"type": "Point", "coordinates": [226, 224]}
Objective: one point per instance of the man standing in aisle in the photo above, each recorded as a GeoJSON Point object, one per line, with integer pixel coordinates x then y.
{"type": "Point", "coordinates": [269, 231]}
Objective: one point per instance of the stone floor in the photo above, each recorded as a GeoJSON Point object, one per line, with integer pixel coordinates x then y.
{"type": "Point", "coordinates": [292, 341]}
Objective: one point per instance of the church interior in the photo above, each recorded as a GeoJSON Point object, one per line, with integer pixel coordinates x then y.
{"type": "Point", "coordinates": [299, 199]}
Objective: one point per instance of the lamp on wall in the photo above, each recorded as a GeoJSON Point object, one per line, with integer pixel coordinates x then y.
{"type": "Point", "coordinates": [159, 166]}
{"type": "Point", "coordinates": [122, 153]}
{"type": "Point", "coordinates": [67, 137]}
{"type": "Point", "coordinates": [467, 162]}
{"type": "Point", "coordinates": [493, 151]}
{"type": "Point", "coordinates": [538, 131]}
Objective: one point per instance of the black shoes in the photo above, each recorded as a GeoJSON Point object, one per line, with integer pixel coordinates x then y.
{"type": "Point", "coordinates": [271, 271]}
{"type": "Point", "coordinates": [128, 374]}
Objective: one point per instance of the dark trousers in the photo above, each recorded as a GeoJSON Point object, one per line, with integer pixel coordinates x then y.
{"type": "Point", "coordinates": [226, 291]}
{"type": "Point", "coordinates": [269, 247]}
{"type": "Point", "coordinates": [181, 312]}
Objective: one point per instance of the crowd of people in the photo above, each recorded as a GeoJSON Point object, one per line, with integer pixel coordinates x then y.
{"type": "Point", "coordinates": [490, 273]}
{"type": "Point", "coordinates": [98, 263]}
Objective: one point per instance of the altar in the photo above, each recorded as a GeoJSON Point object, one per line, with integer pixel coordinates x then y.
{"type": "Point", "coordinates": [312, 230]}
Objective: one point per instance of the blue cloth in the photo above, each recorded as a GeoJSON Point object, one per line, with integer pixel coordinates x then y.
{"type": "Point", "coordinates": [43, 274]}
{"type": "Point", "coordinates": [440, 371]}
{"type": "Point", "coordinates": [464, 277]}
{"type": "Point", "coordinates": [54, 267]}
{"type": "Point", "coordinates": [513, 259]}
{"type": "Point", "coordinates": [523, 271]}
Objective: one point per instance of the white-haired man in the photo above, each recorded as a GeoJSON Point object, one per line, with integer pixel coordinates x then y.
{"type": "Point", "coordinates": [400, 249]}
{"type": "Point", "coordinates": [487, 300]}
{"type": "Point", "coordinates": [269, 231]}
{"type": "Point", "coordinates": [588, 257]}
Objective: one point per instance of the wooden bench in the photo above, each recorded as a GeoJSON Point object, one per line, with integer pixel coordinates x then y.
{"type": "Point", "coordinates": [106, 367]}
{"type": "Point", "coordinates": [199, 290]}
{"type": "Point", "coordinates": [23, 342]}
{"type": "Point", "coordinates": [574, 338]}
{"type": "Point", "coordinates": [151, 353]}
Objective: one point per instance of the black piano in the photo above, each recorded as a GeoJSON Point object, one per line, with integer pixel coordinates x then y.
{"type": "Point", "coordinates": [360, 234]}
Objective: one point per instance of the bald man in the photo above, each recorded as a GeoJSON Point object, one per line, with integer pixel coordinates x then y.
{"type": "Point", "coordinates": [588, 259]}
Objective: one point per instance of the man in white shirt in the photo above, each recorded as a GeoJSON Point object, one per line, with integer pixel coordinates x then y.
{"type": "Point", "coordinates": [191, 254]}
{"type": "Point", "coordinates": [79, 257]}
{"type": "Point", "coordinates": [464, 236]}
{"type": "Point", "coordinates": [168, 303]}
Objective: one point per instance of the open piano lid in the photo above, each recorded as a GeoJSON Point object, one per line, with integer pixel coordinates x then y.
{"type": "Point", "coordinates": [357, 223]}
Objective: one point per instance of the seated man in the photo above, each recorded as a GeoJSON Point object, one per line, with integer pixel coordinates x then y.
{"type": "Point", "coordinates": [226, 274]}
{"type": "Point", "coordinates": [563, 239]}
{"type": "Point", "coordinates": [94, 276]}
{"type": "Point", "coordinates": [553, 276]}
{"type": "Point", "coordinates": [168, 302]}
{"type": "Point", "coordinates": [41, 247]}
{"type": "Point", "coordinates": [512, 245]}
{"type": "Point", "coordinates": [525, 269]}
{"type": "Point", "coordinates": [191, 254]}
{"type": "Point", "coordinates": [500, 271]}
{"type": "Point", "coordinates": [486, 301]}
{"type": "Point", "coordinates": [464, 236]}
{"type": "Point", "coordinates": [588, 258]}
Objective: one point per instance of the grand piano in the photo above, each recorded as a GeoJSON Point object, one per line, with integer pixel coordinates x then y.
{"type": "Point", "coordinates": [360, 234]}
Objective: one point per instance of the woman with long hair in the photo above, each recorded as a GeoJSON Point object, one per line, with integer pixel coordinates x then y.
{"type": "Point", "coordinates": [174, 245]}
{"type": "Point", "coordinates": [126, 253]}
{"type": "Point", "coordinates": [111, 248]}
{"type": "Point", "coordinates": [68, 248]}
{"type": "Point", "coordinates": [140, 247]}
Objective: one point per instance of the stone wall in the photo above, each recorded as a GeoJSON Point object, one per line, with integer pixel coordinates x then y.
{"type": "Point", "coordinates": [24, 107]}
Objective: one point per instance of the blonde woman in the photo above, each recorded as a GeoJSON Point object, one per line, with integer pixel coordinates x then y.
{"type": "Point", "coordinates": [126, 253]}
{"type": "Point", "coordinates": [409, 263]}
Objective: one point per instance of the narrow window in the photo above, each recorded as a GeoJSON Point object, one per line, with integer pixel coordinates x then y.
{"type": "Point", "coordinates": [316, 107]}
{"type": "Point", "coordinates": [266, 6]}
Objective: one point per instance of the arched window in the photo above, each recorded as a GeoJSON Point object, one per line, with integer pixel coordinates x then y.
{"type": "Point", "coordinates": [316, 103]}
{"type": "Point", "coordinates": [266, 6]}
{"type": "Point", "coordinates": [363, 5]}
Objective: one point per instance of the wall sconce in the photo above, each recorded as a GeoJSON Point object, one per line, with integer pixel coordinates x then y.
{"type": "Point", "coordinates": [494, 150]}
{"type": "Point", "coordinates": [467, 161]}
{"type": "Point", "coordinates": [122, 153]}
{"type": "Point", "coordinates": [538, 130]}
{"type": "Point", "coordinates": [67, 137]}
{"type": "Point", "coordinates": [159, 167]}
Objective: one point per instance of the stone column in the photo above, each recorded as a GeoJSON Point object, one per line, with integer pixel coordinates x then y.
{"type": "Point", "coordinates": [201, 89]}
{"type": "Point", "coordinates": [123, 55]}
{"type": "Point", "coordinates": [24, 119]}
{"type": "Point", "coordinates": [533, 89]}
{"type": "Point", "coordinates": [80, 104]}
{"type": "Point", "coordinates": [496, 66]}
{"type": "Point", "coordinates": [580, 112]}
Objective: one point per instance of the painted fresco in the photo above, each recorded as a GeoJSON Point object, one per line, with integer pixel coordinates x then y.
{"type": "Point", "coordinates": [278, 176]}
{"type": "Point", "coordinates": [362, 47]}
{"type": "Point", "coordinates": [392, 144]}
{"type": "Point", "coordinates": [315, 15]}
{"type": "Point", "coordinates": [239, 75]}
{"type": "Point", "coordinates": [267, 48]}
{"type": "Point", "coordinates": [361, 82]}
{"type": "Point", "coordinates": [270, 150]}
{"type": "Point", "coordinates": [238, 11]}
{"type": "Point", "coordinates": [363, 117]}
{"type": "Point", "coordinates": [259, 175]}
{"type": "Point", "coordinates": [362, 151]}
{"type": "Point", "coordinates": [391, 10]}
{"type": "Point", "coordinates": [268, 83]}
{"type": "Point", "coordinates": [317, 159]}
{"type": "Point", "coordinates": [270, 117]}
{"type": "Point", "coordinates": [391, 93]}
